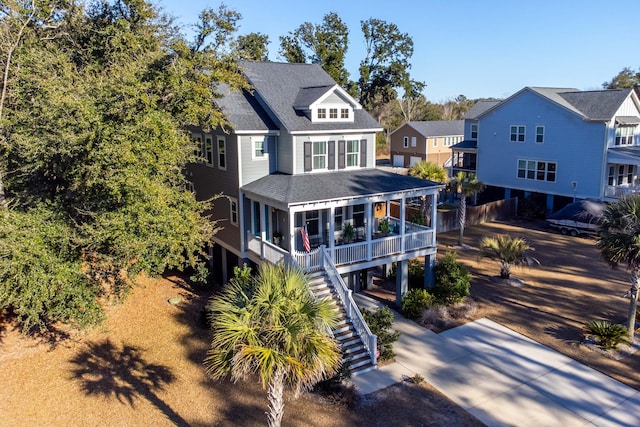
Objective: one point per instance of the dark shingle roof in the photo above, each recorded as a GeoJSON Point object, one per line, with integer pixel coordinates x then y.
{"type": "Point", "coordinates": [292, 189]}
{"type": "Point", "coordinates": [467, 143]}
{"type": "Point", "coordinates": [438, 128]}
{"type": "Point", "coordinates": [597, 104]}
{"type": "Point", "coordinates": [309, 95]}
{"type": "Point", "coordinates": [479, 108]}
{"type": "Point", "coordinates": [243, 111]}
{"type": "Point", "coordinates": [279, 85]}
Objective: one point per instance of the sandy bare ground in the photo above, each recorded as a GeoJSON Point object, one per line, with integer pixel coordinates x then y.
{"type": "Point", "coordinates": [143, 367]}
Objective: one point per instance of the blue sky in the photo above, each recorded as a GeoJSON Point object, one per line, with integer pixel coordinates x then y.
{"type": "Point", "coordinates": [490, 48]}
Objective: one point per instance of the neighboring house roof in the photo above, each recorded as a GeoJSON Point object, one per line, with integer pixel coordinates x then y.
{"type": "Point", "coordinates": [597, 105]}
{"type": "Point", "coordinates": [281, 86]}
{"type": "Point", "coordinates": [479, 108]}
{"type": "Point", "coordinates": [623, 154]}
{"type": "Point", "coordinates": [303, 188]}
{"type": "Point", "coordinates": [437, 128]}
{"type": "Point", "coordinates": [243, 111]}
{"type": "Point", "coordinates": [466, 144]}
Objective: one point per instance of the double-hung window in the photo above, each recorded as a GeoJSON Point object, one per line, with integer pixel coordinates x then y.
{"type": "Point", "coordinates": [353, 153]}
{"type": "Point", "coordinates": [539, 134]}
{"type": "Point", "coordinates": [322, 113]}
{"type": "Point", "coordinates": [222, 153]}
{"type": "Point", "coordinates": [209, 149]}
{"type": "Point", "coordinates": [259, 148]}
{"type": "Point", "coordinates": [233, 210]}
{"type": "Point", "coordinates": [333, 113]}
{"type": "Point", "coordinates": [406, 142]}
{"type": "Point", "coordinates": [474, 131]}
{"type": "Point", "coordinates": [319, 155]}
{"type": "Point", "coordinates": [517, 133]}
{"type": "Point", "coordinates": [344, 113]}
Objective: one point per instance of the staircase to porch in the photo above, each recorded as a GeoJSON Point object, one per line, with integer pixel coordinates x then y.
{"type": "Point", "coordinates": [351, 343]}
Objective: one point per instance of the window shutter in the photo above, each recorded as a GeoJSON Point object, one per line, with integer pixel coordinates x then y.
{"type": "Point", "coordinates": [308, 162]}
{"type": "Point", "coordinates": [332, 155]}
{"type": "Point", "coordinates": [341, 154]}
{"type": "Point", "coordinates": [363, 153]}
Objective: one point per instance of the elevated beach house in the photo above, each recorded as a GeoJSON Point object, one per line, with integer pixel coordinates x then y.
{"type": "Point", "coordinates": [297, 170]}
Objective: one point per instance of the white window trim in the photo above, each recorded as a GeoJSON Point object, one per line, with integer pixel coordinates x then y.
{"type": "Point", "coordinates": [224, 141]}
{"type": "Point", "coordinates": [233, 201]}
{"type": "Point", "coordinates": [209, 151]}
{"type": "Point", "coordinates": [347, 152]}
{"type": "Point", "coordinates": [328, 108]}
{"type": "Point", "coordinates": [406, 142]}
{"type": "Point", "coordinates": [435, 141]}
{"type": "Point", "coordinates": [524, 134]}
{"type": "Point", "coordinates": [414, 141]}
{"type": "Point", "coordinates": [543, 134]}
{"type": "Point", "coordinates": [326, 155]}
{"type": "Point", "coordinates": [265, 144]}
{"type": "Point", "coordinates": [535, 170]}
{"type": "Point", "coordinates": [471, 131]}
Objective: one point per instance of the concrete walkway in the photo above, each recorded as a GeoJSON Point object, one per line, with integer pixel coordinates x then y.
{"type": "Point", "coordinates": [504, 378]}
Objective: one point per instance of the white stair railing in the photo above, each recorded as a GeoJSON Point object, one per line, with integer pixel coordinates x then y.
{"type": "Point", "coordinates": [352, 311]}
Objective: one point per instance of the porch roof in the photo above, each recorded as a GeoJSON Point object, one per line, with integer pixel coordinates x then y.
{"type": "Point", "coordinates": [625, 155]}
{"type": "Point", "coordinates": [467, 144]}
{"type": "Point", "coordinates": [286, 190]}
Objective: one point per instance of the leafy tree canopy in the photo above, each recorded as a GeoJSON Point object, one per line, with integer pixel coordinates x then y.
{"type": "Point", "coordinates": [325, 44]}
{"type": "Point", "coordinates": [627, 78]}
{"type": "Point", "coordinates": [93, 145]}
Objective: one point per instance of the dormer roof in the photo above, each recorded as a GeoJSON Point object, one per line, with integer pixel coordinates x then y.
{"type": "Point", "coordinates": [288, 89]}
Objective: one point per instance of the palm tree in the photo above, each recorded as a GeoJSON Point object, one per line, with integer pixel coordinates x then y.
{"type": "Point", "coordinates": [272, 326]}
{"type": "Point", "coordinates": [619, 242]}
{"type": "Point", "coordinates": [508, 251]}
{"type": "Point", "coordinates": [428, 170]}
{"type": "Point", "coordinates": [467, 185]}
{"type": "Point", "coordinates": [432, 172]}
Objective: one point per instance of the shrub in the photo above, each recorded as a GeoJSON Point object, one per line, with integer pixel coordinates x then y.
{"type": "Point", "coordinates": [380, 322]}
{"type": "Point", "coordinates": [609, 335]}
{"type": "Point", "coordinates": [415, 302]}
{"type": "Point", "coordinates": [452, 280]}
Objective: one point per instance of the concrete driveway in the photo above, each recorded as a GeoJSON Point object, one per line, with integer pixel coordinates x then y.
{"type": "Point", "coordinates": [503, 378]}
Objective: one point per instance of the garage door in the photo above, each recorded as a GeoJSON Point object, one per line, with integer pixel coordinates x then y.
{"type": "Point", "coordinates": [398, 161]}
{"type": "Point", "coordinates": [414, 160]}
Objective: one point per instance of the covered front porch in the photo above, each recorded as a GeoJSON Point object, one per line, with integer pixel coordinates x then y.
{"type": "Point", "coordinates": [622, 168]}
{"type": "Point", "coordinates": [356, 230]}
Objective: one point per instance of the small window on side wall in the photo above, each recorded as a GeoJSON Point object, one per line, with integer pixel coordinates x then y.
{"type": "Point", "coordinates": [233, 210]}
{"type": "Point", "coordinates": [539, 134]}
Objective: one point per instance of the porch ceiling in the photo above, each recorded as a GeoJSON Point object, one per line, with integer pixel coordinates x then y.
{"type": "Point", "coordinates": [285, 190]}
{"type": "Point", "coordinates": [626, 155]}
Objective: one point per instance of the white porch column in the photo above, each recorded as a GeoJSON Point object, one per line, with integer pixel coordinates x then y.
{"type": "Point", "coordinates": [243, 235]}
{"type": "Point", "coordinates": [434, 218]}
{"type": "Point", "coordinates": [332, 231]}
{"type": "Point", "coordinates": [369, 216]}
{"type": "Point", "coordinates": [263, 233]}
{"type": "Point", "coordinates": [403, 214]}
{"type": "Point", "coordinates": [292, 234]}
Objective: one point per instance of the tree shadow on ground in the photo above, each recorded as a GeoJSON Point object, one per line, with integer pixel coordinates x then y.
{"type": "Point", "coordinates": [104, 369]}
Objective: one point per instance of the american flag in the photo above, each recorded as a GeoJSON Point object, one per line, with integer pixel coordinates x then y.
{"type": "Point", "coordinates": [305, 238]}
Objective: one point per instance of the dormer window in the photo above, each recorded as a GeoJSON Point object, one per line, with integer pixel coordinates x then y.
{"type": "Point", "coordinates": [326, 104]}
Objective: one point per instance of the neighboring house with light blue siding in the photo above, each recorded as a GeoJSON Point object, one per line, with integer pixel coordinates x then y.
{"type": "Point", "coordinates": [561, 144]}
{"type": "Point", "coordinates": [299, 159]}
{"type": "Point", "coordinates": [464, 154]}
